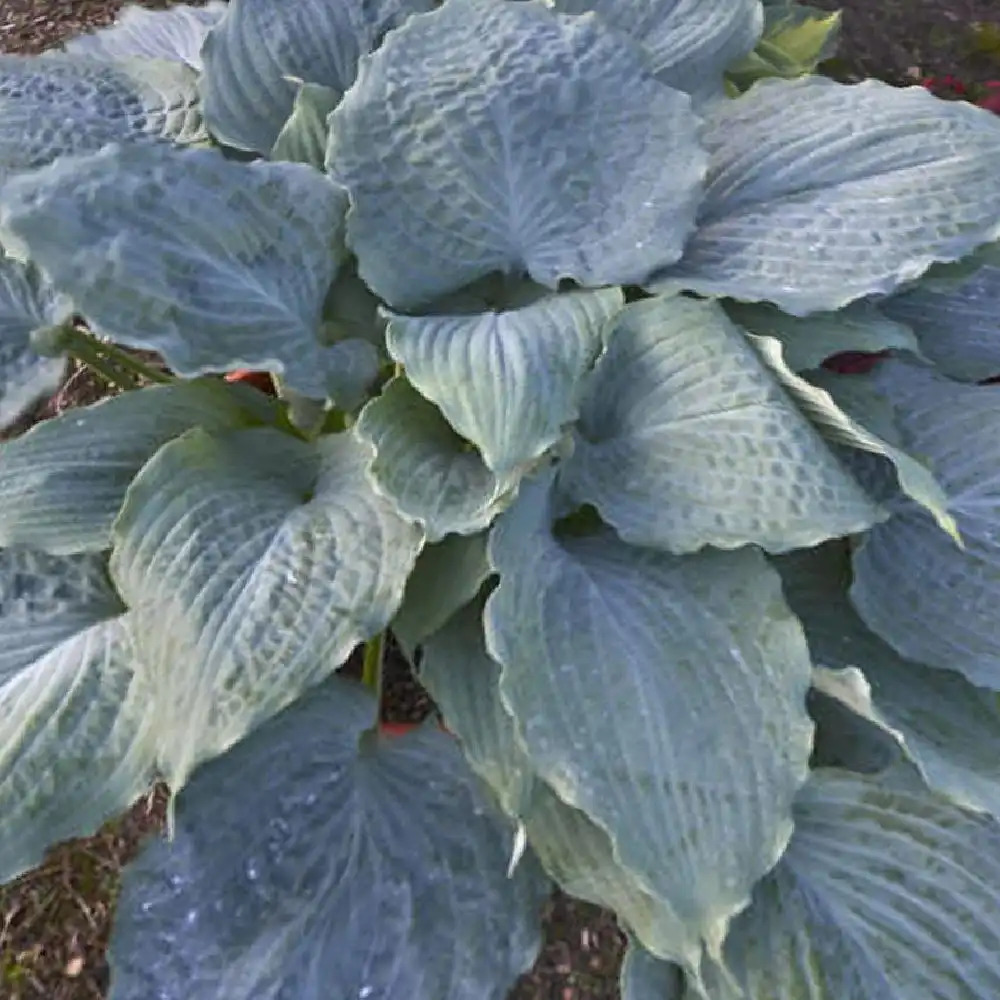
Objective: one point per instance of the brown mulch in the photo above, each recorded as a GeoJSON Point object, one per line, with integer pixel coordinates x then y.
{"type": "Point", "coordinates": [54, 921]}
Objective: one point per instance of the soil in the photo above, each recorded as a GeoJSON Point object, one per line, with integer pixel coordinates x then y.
{"type": "Point", "coordinates": [54, 921]}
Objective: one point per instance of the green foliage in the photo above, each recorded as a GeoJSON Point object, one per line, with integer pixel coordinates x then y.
{"type": "Point", "coordinates": [627, 373]}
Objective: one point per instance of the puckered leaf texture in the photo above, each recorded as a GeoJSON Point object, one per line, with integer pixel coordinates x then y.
{"type": "Point", "coordinates": [687, 439]}
{"type": "Point", "coordinates": [215, 265]}
{"type": "Point", "coordinates": [63, 482]}
{"type": "Point", "coordinates": [503, 137]}
{"type": "Point", "coordinates": [885, 893]}
{"type": "Point", "coordinates": [820, 193]}
{"type": "Point", "coordinates": [259, 49]}
{"type": "Point", "coordinates": [74, 719]}
{"type": "Point", "coordinates": [28, 303]}
{"type": "Point", "coordinates": [252, 564]}
{"type": "Point", "coordinates": [315, 860]}
{"type": "Point", "coordinates": [66, 105]}
{"type": "Point", "coordinates": [932, 601]}
{"type": "Point", "coordinates": [690, 42]}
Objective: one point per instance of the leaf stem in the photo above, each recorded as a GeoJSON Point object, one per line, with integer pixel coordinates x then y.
{"type": "Point", "coordinates": [110, 361]}
{"type": "Point", "coordinates": [371, 671]}
{"type": "Point", "coordinates": [133, 365]}
{"type": "Point", "coordinates": [84, 349]}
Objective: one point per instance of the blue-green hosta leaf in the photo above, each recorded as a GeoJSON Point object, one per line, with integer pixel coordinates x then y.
{"type": "Point", "coordinates": [951, 276]}
{"type": "Point", "coordinates": [62, 105]}
{"type": "Point", "coordinates": [534, 165]}
{"type": "Point", "coordinates": [697, 809]}
{"type": "Point", "coordinates": [28, 303]}
{"type": "Point", "coordinates": [74, 747]}
{"type": "Point", "coordinates": [819, 193]}
{"type": "Point", "coordinates": [930, 600]}
{"type": "Point", "coordinates": [176, 34]}
{"type": "Point", "coordinates": [256, 53]}
{"type": "Point", "coordinates": [645, 977]}
{"type": "Point", "coordinates": [352, 370]}
{"type": "Point", "coordinates": [807, 341]}
{"type": "Point", "coordinates": [214, 264]}
{"type": "Point", "coordinates": [958, 328]}
{"type": "Point", "coordinates": [849, 413]}
{"type": "Point", "coordinates": [303, 137]}
{"type": "Point", "coordinates": [690, 42]}
{"type": "Point", "coordinates": [465, 682]}
{"type": "Point", "coordinates": [351, 311]}
{"type": "Point", "coordinates": [507, 381]}
{"type": "Point", "coordinates": [950, 729]}
{"type": "Point", "coordinates": [446, 577]}
{"type": "Point", "coordinates": [686, 439]}
{"type": "Point", "coordinates": [253, 563]}
{"type": "Point", "coordinates": [851, 734]}
{"type": "Point", "coordinates": [885, 893]}
{"type": "Point", "coordinates": [313, 862]}
{"type": "Point", "coordinates": [63, 482]}
{"type": "Point", "coordinates": [428, 472]}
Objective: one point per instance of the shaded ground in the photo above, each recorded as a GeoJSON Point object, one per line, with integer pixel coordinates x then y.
{"type": "Point", "coordinates": [54, 921]}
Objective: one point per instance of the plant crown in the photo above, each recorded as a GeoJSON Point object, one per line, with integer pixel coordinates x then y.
{"type": "Point", "coordinates": [550, 293]}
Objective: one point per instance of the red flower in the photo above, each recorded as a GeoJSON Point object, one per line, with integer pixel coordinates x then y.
{"type": "Point", "coordinates": [991, 102]}
{"type": "Point", "coordinates": [259, 380]}
{"type": "Point", "coordinates": [945, 83]}
{"type": "Point", "coordinates": [854, 362]}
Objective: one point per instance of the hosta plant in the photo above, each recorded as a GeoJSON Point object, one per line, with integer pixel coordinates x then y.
{"type": "Point", "coordinates": [564, 340]}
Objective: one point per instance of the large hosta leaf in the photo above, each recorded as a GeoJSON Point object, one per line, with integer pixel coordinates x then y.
{"type": "Point", "coordinates": [958, 328]}
{"type": "Point", "coordinates": [618, 665]}
{"type": "Point", "coordinates": [259, 49]}
{"type": "Point", "coordinates": [929, 599]}
{"type": "Point", "coordinates": [253, 564]}
{"type": "Point", "coordinates": [62, 105]}
{"type": "Point", "coordinates": [950, 728]}
{"type": "Point", "coordinates": [686, 439]}
{"type": "Point", "coordinates": [807, 341]}
{"type": "Point", "coordinates": [314, 862]}
{"type": "Point", "coordinates": [850, 414]}
{"type": "Point", "coordinates": [690, 42]}
{"type": "Point", "coordinates": [465, 683]}
{"type": "Point", "coordinates": [886, 893]}
{"type": "Point", "coordinates": [509, 381]}
{"type": "Point", "coordinates": [214, 264]}
{"type": "Point", "coordinates": [73, 722]}
{"type": "Point", "coordinates": [428, 472]}
{"type": "Point", "coordinates": [819, 193]}
{"type": "Point", "coordinates": [176, 34]}
{"type": "Point", "coordinates": [63, 482]}
{"type": "Point", "coordinates": [28, 304]}
{"type": "Point", "coordinates": [537, 164]}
